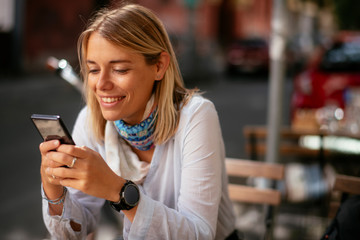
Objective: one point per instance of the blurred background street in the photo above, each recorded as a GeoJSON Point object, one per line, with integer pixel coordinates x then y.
{"type": "Point", "coordinates": [223, 47]}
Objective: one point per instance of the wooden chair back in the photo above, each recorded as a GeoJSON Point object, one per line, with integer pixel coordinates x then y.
{"type": "Point", "coordinates": [250, 168]}
{"type": "Point", "coordinates": [344, 185]}
{"type": "Point", "coordinates": [239, 192]}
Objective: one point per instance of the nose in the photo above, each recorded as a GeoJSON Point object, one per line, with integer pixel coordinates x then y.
{"type": "Point", "coordinates": [104, 82]}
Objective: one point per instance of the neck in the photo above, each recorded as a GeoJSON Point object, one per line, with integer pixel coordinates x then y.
{"type": "Point", "coordinates": [145, 156]}
{"type": "Point", "coordinates": [139, 136]}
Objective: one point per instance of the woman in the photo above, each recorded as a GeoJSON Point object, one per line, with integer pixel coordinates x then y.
{"type": "Point", "coordinates": [150, 147]}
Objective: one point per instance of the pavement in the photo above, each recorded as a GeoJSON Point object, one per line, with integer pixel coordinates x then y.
{"type": "Point", "coordinates": [238, 103]}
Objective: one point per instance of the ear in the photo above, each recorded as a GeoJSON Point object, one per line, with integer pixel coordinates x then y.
{"type": "Point", "coordinates": [162, 65]}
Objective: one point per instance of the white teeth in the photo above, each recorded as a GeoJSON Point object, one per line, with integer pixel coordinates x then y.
{"type": "Point", "coordinates": [110, 99]}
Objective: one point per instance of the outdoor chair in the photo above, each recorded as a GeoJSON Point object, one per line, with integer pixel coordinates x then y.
{"type": "Point", "coordinates": [345, 209]}
{"type": "Point", "coordinates": [344, 186]}
{"type": "Point", "coordinates": [240, 192]}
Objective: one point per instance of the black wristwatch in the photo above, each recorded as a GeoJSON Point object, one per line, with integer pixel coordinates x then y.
{"type": "Point", "coordinates": [129, 197]}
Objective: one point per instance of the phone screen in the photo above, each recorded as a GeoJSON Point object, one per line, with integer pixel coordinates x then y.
{"type": "Point", "coordinates": [51, 127]}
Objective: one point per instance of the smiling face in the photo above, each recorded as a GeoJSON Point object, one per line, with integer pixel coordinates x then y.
{"type": "Point", "coordinates": [121, 79]}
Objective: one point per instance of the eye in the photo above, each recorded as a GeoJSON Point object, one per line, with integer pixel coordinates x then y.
{"type": "Point", "coordinates": [121, 71]}
{"type": "Point", "coordinates": [93, 71]}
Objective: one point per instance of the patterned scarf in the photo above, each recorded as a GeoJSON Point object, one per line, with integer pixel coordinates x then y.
{"type": "Point", "coordinates": [140, 135]}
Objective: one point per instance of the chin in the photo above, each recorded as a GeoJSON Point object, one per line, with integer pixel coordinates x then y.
{"type": "Point", "coordinates": [110, 116]}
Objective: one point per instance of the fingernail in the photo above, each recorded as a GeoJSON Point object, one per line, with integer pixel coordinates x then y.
{"type": "Point", "coordinates": [47, 170]}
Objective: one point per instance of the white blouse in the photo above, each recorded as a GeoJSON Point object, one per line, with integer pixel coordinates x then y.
{"type": "Point", "coordinates": [184, 195]}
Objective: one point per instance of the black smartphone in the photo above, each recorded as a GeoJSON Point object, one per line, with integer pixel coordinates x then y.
{"type": "Point", "coordinates": [51, 127]}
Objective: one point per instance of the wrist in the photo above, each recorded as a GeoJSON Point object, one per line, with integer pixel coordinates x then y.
{"type": "Point", "coordinates": [129, 197]}
{"type": "Point", "coordinates": [56, 201]}
{"type": "Point", "coordinates": [52, 191]}
{"type": "Point", "coordinates": [115, 196]}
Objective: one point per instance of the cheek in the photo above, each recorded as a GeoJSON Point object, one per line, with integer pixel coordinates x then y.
{"type": "Point", "coordinates": [147, 81]}
{"type": "Point", "coordinates": [91, 83]}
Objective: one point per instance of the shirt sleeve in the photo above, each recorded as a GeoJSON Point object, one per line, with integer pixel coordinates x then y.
{"type": "Point", "coordinates": [78, 207]}
{"type": "Point", "coordinates": [196, 213]}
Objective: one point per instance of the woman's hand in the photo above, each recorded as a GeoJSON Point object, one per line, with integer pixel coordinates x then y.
{"type": "Point", "coordinates": [89, 174]}
{"type": "Point", "coordinates": [52, 188]}
{"type": "Point", "coordinates": [45, 148]}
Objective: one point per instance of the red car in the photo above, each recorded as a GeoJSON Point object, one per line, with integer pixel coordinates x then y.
{"type": "Point", "coordinates": [328, 76]}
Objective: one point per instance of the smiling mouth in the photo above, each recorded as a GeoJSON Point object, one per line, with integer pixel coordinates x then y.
{"type": "Point", "coordinates": [111, 99]}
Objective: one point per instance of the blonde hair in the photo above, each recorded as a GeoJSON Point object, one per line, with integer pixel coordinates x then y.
{"type": "Point", "coordinates": [137, 28]}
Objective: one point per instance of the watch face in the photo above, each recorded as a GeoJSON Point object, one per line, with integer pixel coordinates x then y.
{"type": "Point", "coordinates": [131, 194]}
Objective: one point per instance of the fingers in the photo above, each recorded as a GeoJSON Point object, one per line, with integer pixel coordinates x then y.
{"type": "Point", "coordinates": [51, 158]}
{"type": "Point", "coordinates": [47, 176]}
{"type": "Point", "coordinates": [60, 173]}
{"type": "Point", "coordinates": [65, 155]}
{"type": "Point", "coordinates": [45, 148]}
{"type": "Point", "coordinates": [49, 146]}
{"type": "Point", "coordinates": [51, 178]}
{"type": "Point", "coordinates": [63, 162]}
{"type": "Point", "coordinates": [54, 145]}
{"type": "Point", "coordinates": [60, 159]}
{"type": "Point", "coordinates": [74, 150]}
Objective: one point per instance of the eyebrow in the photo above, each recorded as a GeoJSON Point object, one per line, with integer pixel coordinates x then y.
{"type": "Point", "coordinates": [112, 61]}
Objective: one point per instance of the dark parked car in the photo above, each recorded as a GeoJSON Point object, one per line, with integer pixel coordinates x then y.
{"type": "Point", "coordinates": [249, 55]}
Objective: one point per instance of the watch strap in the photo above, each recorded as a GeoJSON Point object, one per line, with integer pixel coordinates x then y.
{"type": "Point", "coordinates": [122, 204]}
